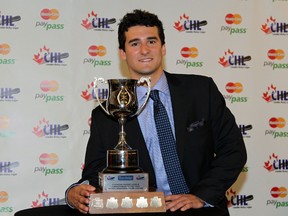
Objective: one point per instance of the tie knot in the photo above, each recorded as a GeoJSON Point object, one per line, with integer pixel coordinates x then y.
{"type": "Point", "coordinates": [154, 94]}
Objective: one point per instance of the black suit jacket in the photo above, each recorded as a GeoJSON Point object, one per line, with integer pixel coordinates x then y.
{"type": "Point", "coordinates": [209, 143]}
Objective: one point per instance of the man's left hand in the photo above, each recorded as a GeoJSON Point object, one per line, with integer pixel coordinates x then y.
{"type": "Point", "coordinates": [183, 202]}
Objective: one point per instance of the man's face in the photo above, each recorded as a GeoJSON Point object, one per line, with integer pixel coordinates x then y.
{"type": "Point", "coordinates": [143, 51]}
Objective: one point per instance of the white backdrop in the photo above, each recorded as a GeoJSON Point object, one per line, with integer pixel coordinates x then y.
{"type": "Point", "coordinates": [50, 52]}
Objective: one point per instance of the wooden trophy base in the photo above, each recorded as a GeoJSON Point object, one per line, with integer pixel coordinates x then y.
{"type": "Point", "coordinates": [126, 202]}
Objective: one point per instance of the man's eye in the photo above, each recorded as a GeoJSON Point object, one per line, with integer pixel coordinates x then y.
{"type": "Point", "coordinates": [134, 44]}
{"type": "Point", "coordinates": [152, 42]}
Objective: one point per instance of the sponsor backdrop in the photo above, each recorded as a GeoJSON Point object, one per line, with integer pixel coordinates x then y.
{"type": "Point", "coordinates": [50, 52]}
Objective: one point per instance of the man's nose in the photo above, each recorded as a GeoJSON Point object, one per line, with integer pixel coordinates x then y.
{"type": "Point", "coordinates": [144, 48]}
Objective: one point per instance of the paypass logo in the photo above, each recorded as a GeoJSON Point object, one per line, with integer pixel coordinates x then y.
{"type": "Point", "coordinates": [4, 57]}
{"type": "Point", "coordinates": [87, 131]}
{"type": "Point", "coordinates": [4, 127]}
{"type": "Point", "coordinates": [189, 53]}
{"type": "Point", "coordinates": [50, 130]}
{"type": "Point", "coordinates": [277, 124]}
{"type": "Point", "coordinates": [278, 194]}
{"type": "Point", "coordinates": [96, 54]}
{"type": "Point", "coordinates": [49, 87]}
{"type": "Point", "coordinates": [45, 56]}
{"type": "Point", "coordinates": [234, 61]}
{"type": "Point", "coordinates": [275, 61]}
{"type": "Point", "coordinates": [233, 20]}
{"type": "Point", "coordinates": [185, 24]}
{"type": "Point", "coordinates": [234, 89]}
{"type": "Point", "coordinates": [274, 27]}
{"type": "Point", "coordinates": [4, 196]}
{"type": "Point", "coordinates": [49, 161]}
{"type": "Point", "coordinates": [98, 23]}
{"type": "Point", "coordinates": [49, 16]}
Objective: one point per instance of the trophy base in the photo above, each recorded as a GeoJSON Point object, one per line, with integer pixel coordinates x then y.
{"type": "Point", "coordinates": [126, 202]}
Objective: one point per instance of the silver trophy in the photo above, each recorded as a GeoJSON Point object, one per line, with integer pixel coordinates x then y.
{"type": "Point", "coordinates": [126, 183]}
{"type": "Point", "coordinates": [122, 104]}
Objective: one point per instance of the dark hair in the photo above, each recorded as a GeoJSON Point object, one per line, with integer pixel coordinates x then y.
{"type": "Point", "coordinates": [139, 18]}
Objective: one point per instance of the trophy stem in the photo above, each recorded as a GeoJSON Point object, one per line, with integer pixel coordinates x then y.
{"type": "Point", "coordinates": [122, 144]}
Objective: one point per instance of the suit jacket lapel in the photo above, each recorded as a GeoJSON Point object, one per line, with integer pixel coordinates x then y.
{"type": "Point", "coordinates": [177, 92]}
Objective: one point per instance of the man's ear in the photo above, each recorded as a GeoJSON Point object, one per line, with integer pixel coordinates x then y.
{"type": "Point", "coordinates": [163, 50]}
{"type": "Point", "coordinates": [122, 54]}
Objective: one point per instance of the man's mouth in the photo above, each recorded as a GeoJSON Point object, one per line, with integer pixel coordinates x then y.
{"type": "Point", "coordinates": [146, 60]}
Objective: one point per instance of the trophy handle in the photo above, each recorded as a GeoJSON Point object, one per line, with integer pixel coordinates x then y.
{"type": "Point", "coordinates": [96, 94]}
{"type": "Point", "coordinates": [148, 81]}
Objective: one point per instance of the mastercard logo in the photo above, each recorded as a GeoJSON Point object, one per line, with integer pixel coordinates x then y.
{"type": "Point", "coordinates": [278, 54]}
{"type": "Point", "coordinates": [4, 49]}
{"type": "Point", "coordinates": [278, 192]}
{"type": "Point", "coordinates": [277, 122]}
{"type": "Point", "coordinates": [51, 14]}
{"type": "Point", "coordinates": [97, 50]}
{"type": "Point", "coordinates": [191, 52]}
{"type": "Point", "coordinates": [3, 196]}
{"type": "Point", "coordinates": [233, 19]}
{"type": "Point", "coordinates": [234, 87]}
{"type": "Point", "coordinates": [48, 158]}
{"type": "Point", "coordinates": [46, 85]}
{"type": "Point", "coordinates": [4, 122]}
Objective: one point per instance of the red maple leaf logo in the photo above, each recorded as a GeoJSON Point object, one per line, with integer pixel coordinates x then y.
{"type": "Point", "coordinates": [87, 23]}
{"type": "Point", "coordinates": [266, 27]}
{"type": "Point", "coordinates": [38, 131]}
{"type": "Point", "coordinates": [39, 57]}
{"type": "Point", "coordinates": [86, 94]}
{"type": "Point", "coordinates": [230, 194]}
{"type": "Point", "coordinates": [179, 25]}
{"type": "Point", "coordinates": [267, 95]}
{"type": "Point", "coordinates": [38, 202]}
{"type": "Point", "coordinates": [224, 59]}
{"type": "Point", "coordinates": [269, 163]}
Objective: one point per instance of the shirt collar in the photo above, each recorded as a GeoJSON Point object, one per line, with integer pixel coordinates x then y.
{"type": "Point", "coordinates": [161, 85]}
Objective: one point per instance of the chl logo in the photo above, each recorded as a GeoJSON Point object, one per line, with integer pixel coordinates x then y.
{"type": "Point", "coordinates": [186, 24]}
{"type": "Point", "coordinates": [94, 22]}
{"type": "Point", "coordinates": [238, 201]}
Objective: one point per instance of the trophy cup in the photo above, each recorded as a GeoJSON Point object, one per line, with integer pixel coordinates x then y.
{"type": "Point", "coordinates": [124, 186]}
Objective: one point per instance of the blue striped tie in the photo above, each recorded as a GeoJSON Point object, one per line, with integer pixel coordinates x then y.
{"type": "Point", "coordinates": [167, 144]}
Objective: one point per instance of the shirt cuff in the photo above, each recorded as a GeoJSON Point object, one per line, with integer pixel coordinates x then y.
{"type": "Point", "coordinates": [207, 205]}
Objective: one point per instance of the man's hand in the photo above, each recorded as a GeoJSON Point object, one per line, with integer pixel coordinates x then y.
{"type": "Point", "coordinates": [78, 197]}
{"type": "Point", "coordinates": [183, 202]}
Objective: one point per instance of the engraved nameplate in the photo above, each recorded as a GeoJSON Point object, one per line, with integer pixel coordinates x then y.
{"type": "Point", "coordinates": [123, 182]}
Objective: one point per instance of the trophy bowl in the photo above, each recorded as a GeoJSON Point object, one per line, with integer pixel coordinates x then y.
{"type": "Point", "coordinates": [122, 104]}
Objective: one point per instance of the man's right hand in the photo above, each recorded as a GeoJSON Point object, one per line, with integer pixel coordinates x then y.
{"type": "Point", "coordinates": [78, 197]}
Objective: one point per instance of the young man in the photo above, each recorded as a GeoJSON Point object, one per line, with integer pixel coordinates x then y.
{"type": "Point", "coordinates": [209, 144]}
